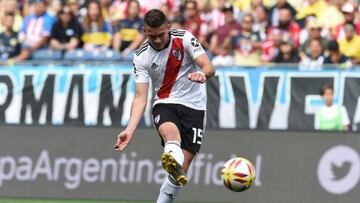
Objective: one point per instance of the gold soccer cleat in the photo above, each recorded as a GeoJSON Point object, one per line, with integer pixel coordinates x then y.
{"type": "Point", "coordinates": [174, 168]}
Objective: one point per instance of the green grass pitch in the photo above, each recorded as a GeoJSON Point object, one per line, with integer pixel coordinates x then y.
{"type": "Point", "coordinates": [9, 200]}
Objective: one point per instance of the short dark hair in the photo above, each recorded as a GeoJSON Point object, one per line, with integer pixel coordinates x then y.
{"type": "Point", "coordinates": [315, 40]}
{"type": "Point", "coordinates": [333, 45]}
{"type": "Point", "coordinates": [326, 87]}
{"type": "Point", "coordinates": [227, 7]}
{"type": "Point", "coordinates": [155, 18]}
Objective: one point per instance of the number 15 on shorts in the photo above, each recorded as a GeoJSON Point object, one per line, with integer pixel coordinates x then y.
{"type": "Point", "coordinates": [198, 135]}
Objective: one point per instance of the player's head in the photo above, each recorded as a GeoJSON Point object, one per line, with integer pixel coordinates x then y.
{"type": "Point", "coordinates": [156, 28]}
{"type": "Point", "coordinates": [327, 92]}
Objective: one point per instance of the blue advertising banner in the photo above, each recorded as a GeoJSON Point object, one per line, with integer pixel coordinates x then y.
{"type": "Point", "coordinates": [257, 98]}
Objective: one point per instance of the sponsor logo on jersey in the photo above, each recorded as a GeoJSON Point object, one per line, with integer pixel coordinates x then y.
{"type": "Point", "coordinates": [177, 54]}
{"type": "Point", "coordinates": [154, 66]}
{"type": "Point", "coordinates": [195, 42]}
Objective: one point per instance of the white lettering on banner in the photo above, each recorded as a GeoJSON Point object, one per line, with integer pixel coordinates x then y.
{"type": "Point", "coordinates": [4, 91]}
{"type": "Point", "coordinates": [227, 116]}
{"type": "Point", "coordinates": [258, 170]}
{"type": "Point", "coordinates": [73, 171]}
{"type": "Point", "coordinates": [42, 166]}
{"type": "Point", "coordinates": [23, 171]}
{"type": "Point", "coordinates": [9, 164]}
{"type": "Point", "coordinates": [339, 169]}
{"type": "Point", "coordinates": [101, 96]}
{"type": "Point", "coordinates": [104, 168]}
{"type": "Point", "coordinates": [91, 170]}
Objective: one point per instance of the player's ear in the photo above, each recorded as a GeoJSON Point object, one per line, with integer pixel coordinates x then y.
{"type": "Point", "coordinates": [168, 26]}
{"type": "Point", "coordinates": [143, 28]}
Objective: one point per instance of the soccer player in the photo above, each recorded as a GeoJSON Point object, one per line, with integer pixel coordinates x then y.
{"type": "Point", "coordinates": [178, 68]}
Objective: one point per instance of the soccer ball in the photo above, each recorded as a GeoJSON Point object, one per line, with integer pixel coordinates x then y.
{"type": "Point", "coordinates": [238, 174]}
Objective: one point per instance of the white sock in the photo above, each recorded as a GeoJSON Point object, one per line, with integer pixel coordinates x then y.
{"type": "Point", "coordinates": [174, 149]}
{"type": "Point", "coordinates": [168, 191]}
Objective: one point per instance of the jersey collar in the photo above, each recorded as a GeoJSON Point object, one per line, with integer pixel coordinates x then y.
{"type": "Point", "coordinates": [166, 46]}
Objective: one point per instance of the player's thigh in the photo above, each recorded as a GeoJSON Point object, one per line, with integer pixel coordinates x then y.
{"type": "Point", "coordinates": [192, 128]}
{"type": "Point", "coordinates": [166, 122]}
{"type": "Point", "coordinates": [169, 132]}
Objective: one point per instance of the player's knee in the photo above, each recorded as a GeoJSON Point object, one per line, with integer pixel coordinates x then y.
{"type": "Point", "coordinates": [169, 132]}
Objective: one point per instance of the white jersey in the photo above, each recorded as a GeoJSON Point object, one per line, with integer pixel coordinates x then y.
{"type": "Point", "coordinates": [168, 70]}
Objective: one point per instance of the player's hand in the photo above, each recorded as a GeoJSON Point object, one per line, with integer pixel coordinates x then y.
{"type": "Point", "coordinates": [123, 140]}
{"type": "Point", "coordinates": [197, 76]}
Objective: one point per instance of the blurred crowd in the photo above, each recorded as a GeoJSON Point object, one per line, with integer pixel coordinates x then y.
{"type": "Point", "coordinates": [310, 33]}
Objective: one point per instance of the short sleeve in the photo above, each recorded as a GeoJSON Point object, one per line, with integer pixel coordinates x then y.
{"type": "Point", "coordinates": [193, 46]}
{"type": "Point", "coordinates": [140, 71]}
{"type": "Point", "coordinates": [48, 24]}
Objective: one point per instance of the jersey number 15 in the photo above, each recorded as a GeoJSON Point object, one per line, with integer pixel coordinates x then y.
{"type": "Point", "coordinates": [198, 135]}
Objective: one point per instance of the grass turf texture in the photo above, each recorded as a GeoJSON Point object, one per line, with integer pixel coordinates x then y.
{"type": "Point", "coordinates": [8, 200]}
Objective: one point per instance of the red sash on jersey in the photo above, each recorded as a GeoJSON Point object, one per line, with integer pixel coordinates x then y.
{"type": "Point", "coordinates": [173, 65]}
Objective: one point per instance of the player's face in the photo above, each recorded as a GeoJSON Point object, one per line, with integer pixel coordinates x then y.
{"type": "Point", "coordinates": [157, 37]}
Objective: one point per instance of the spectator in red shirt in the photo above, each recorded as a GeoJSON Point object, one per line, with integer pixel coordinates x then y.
{"type": "Point", "coordinates": [349, 14]}
{"type": "Point", "coordinates": [271, 47]}
{"type": "Point", "coordinates": [212, 15]}
{"type": "Point", "coordinates": [193, 22]}
{"type": "Point", "coordinates": [223, 31]}
{"type": "Point", "coordinates": [288, 27]}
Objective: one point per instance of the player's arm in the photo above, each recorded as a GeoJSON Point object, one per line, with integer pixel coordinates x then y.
{"type": "Point", "coordinates": [207, 69]}
{"type": "Point", "coordinates": [137, 110]}
{"type": "Point", "coordinates": [138, 105]}
{"type": "Point", "coordinates": [197, 53]}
